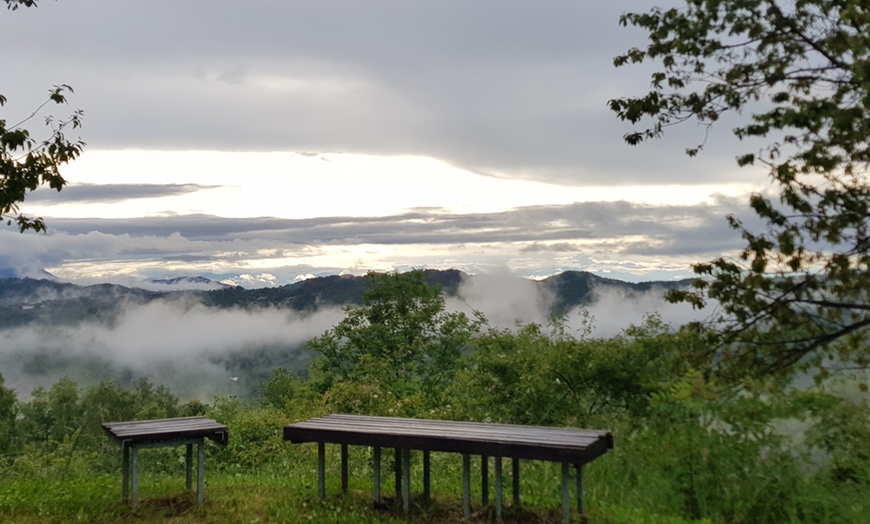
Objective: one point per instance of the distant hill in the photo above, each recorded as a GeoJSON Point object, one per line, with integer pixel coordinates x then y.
{"type": "Point", "coordinates": [29, 300]}
{"type": "Point", "coordinates": [9, 272]}
{"type": "Point", "coordinates": [183, 284]}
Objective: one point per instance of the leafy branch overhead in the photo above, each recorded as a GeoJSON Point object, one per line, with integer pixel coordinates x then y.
{"type": "Point", "coordinates": [27, 163]}
{"type": "Point", "coordinates": [797, 75]}
{"type": "Point", "coordinates": [12, 5]}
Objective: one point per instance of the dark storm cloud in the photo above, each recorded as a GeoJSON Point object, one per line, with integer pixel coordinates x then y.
{"type": "Point", "coordinates": [108, 193]}
{"type": "Point", "coordinates": [511, 88]}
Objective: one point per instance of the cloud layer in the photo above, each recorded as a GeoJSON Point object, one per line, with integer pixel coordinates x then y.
{"type": "Point", "coordinates": [619, 239]}
{"type": "Point", "coordinates": [508, 88]}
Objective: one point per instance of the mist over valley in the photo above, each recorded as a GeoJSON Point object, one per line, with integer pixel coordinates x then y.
{"type": "Point", "coordinates": [204, 339]}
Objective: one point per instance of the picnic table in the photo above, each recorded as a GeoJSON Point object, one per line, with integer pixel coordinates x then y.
{"type": "Point", "coordinates": [568, 446]}
{"type": "Point", "coordinates": [138, 434]}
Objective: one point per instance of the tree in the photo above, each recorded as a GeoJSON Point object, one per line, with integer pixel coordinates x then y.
{"type": "Point", "coordinates": [798, 75]}
{"type": "Point", "coordinates": [8, 419]}
{"type": "Point", "coordinates": [12, 5]}
{"type": "Point", "coordinates": [401, 339]}
{"type": "Point", "coordinates": [27, 163]}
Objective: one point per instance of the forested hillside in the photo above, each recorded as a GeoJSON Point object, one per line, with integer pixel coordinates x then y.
{"type": "Point", "coordinates": [688, 447]}
{"type": "Point", "coordinates": [226, 341]}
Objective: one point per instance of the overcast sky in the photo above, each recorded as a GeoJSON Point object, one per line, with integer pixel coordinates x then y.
{"type": "Point", "coordinates": [265, 141]}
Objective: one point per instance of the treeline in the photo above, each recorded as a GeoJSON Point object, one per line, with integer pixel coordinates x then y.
{"type": "Point", "coordinates": [687, 445]}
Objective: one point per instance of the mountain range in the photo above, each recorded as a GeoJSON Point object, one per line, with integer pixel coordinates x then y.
{"type": "Point", "coordinates": [47, 300]}
{"type": "Point", "coordinates": [204, 339]}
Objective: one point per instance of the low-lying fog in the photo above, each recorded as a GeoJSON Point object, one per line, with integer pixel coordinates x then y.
{"type": "Point", "coordinates": [199, 352]}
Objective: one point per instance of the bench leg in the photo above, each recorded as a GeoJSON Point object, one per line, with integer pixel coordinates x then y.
{"type": "Point", "coordinates": [344, 468]}
{"type": "Point", "coordinates": [188, 463]}
{"type": "Point", "coordinates": [498, 486]}
{"type": "Point", "coordinates": [397, 463]}
{"type": "Point", "coordinates": [321, 469]}
{"type": "Point", "coordinates": [376, 474]}
{"type": "Point", "coordinates": [427, 479]}
{"type": "Point", "coordinates": [516, 481]}
{"type": "Point", "coordinates": [484, 480]}
{"type": "Point", "coordinates": [134, 500]}
{"type": "Point", "coordinates": [406, 480]}
{"type": "Point", "coordinates": [466, 485]}
{"type": "Point", "coordinates": [566, 494]}
{"type": "Point", "coordinates": [200, 476]}
{"type": "Point", "coordinates": [125, 470]}
{"type": "Point", "coordinates": [579, 488]}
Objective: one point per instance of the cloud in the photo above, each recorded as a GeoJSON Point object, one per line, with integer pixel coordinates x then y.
{"type": "Point", "coordinates": [91, 193]}
{"type": "Point", "coordinates": [504, 301]}
{"type": "Point", "coordinates": [510, 89]}
{"type": "Point", "coordinates": [613, 311]}
{"type": "Point", "coordinates": [188, 347]}
{"type": "Point", "coordinates": [177, 343]}
{"type": "Point", "coordinates": [628, 240]}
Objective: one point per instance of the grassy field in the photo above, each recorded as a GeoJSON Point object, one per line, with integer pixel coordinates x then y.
{"type": "Point", "coordinates": [287, 493]}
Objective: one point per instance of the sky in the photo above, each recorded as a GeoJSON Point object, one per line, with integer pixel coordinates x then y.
{"type": "Point", "coordinates": [264, 142]}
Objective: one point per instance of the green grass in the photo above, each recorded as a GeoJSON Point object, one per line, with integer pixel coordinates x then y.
{"type": "Point", "coordinates": [288, 494]}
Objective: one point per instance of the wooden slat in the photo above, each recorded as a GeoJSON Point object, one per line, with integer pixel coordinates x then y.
{"type": "Point", "coordinates": [167, 429]}
{"type": "Point", "coordinates": [471, 431]}
{"type": "Point", "coordinates": [508, 440]}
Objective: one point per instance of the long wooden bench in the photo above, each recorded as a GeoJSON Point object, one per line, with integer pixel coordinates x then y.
{"type": "Point", "coordinates": [137, 434]}
{"type": "Point", "coordinates": [568, 446]}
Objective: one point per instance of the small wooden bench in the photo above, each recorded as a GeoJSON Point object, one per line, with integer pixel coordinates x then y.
{"type": "Point", "coordinates": [568, 446]}
{"type": "Point", "coordinates": [137, 434]}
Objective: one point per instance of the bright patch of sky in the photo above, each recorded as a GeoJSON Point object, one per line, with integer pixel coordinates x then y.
{"type": "Point", "coordinates": [292, 185]}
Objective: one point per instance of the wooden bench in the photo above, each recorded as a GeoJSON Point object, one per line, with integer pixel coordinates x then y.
{"type": "Point", "coordinates": [567, 446]}
{"type": "Point", "coordinates": [137, 434]}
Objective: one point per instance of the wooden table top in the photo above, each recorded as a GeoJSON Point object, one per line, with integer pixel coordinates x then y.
{"type": "Point", "coordinates": [558, 444]}
{"type": "Point", "coordinates": [167, 429]}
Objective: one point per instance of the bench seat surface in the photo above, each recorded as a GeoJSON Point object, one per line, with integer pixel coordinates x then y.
{"type": "Point", "coordinates": [159, 430]}
{"type": "Point", "coordinates": [557, 444]}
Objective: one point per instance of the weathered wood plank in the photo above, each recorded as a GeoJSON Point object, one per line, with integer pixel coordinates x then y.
{"type": "Point", "coordinates": [167, 429]}
{"type": "Point", "coordinates": [577, 446]}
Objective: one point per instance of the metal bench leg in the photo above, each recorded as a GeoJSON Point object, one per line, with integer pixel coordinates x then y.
{"type": "Point", "coordinates": [344, 468]}
{"type": "Point", "coordinates": [406, 480]}
{"type": "Point", "coordinates": [134, 501]}
{"type": "Point", "coordinates": [427, 480]}
{"type": "Point", "coordinates": [516, 481]}
{"type": "Point", "coordinates": [466, 485]}
{"type": "Point", "coordinates": [398, 474]}
{"type": "Point", "coordinates": [188, 463]}
{"type": "Point", "coordinates": [200, 474]}
{"type": "Point", "coordinates": [498, 486]}
{"type": "Point", "coordinates": [376, 474]}
{"type": "Point", "coordinates": [484, 480]}
{"type": "Point", "coordinates": [566, 495]}
{"type": "Point", "coordinates": [125, 470]}
{"type": "Point", "coordinates": [579, 488]}
{"type": "Point", "coordinates": [321, 469]}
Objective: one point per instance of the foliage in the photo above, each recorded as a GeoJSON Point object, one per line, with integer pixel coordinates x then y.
{"type": "Point", "coordinates": [12, 5]}
{"type": "Point", "coordinates": [730, 459]}
{"type": "Point", "coordinates": [401, 339]}
{"type": "Point", "coordinates": [27, 163]}
{"type": "Point", "coordinates": [8, 416]}
{"type": "Point", "coordinates": [842, 433]}
{"type": "Point", "coordinates": [530, 377]}
{"type": "Point", "coordinates": [283, 389]}
{"type": "Point", "coordinates": [687, 448]}
{"type": "Point", "coordinates": [795, 297]}
{"type": "Point", "coordinates": [62, 414]}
